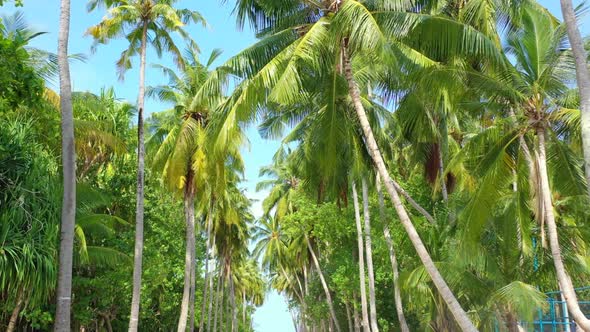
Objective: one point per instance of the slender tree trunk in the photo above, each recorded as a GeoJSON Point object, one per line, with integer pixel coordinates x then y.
{"type": "Point", "coordinates": [359, 237]}
{"type": "Point", "coordinates": [234, 309]}
{"type": "Point", "coordinates": [349, 317]}
{"type": "Point", "coordinates": [355, 314]}
{"type": "Point", "coordinates": [244, 306]}
{"type": "Point", "coordinates": [211, 294]}
{"type": "Point", "coordinates": [191, 307]}
{"type": "Point", "coordinates": [369, 251]}
{"type": "Point", "coordinates": [293, 316]}
{"type": "Point", "coordinates": [324, 284]}
{"type": "Point", "coordinates": [189, 212]}
{"type": "Point", "coordinates": [224, 302]}
{"type": "Point", "coordinates": [583, 79]}
{"type": "Point", "coordinates": [306, 294]}
{"type": "Point", "coordinates": [14, 316]}
{"type": "Point", "coordinates": [441, 174]}
{"type": "Point", "coordinates": [562, 277]}
{"type": "Point", "coordinates": [207, 258]}
{"type": "Point", "coordinates": [305, 280]}
{"type": "Point", "coordinates": [458, 313]}
{"type": "Point", "coordinates": [68, 212]}
{"type": "Point", "coordinates": [412, 202]}
{"type": "Point", "coordinates": [396, 291]}
{"type": "Point", "coordinates": [219, 295]}
{"type": "Point", "coordinates": [138, 255]}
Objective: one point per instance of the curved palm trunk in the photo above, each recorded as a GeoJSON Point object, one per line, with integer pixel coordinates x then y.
{"type": "Point", "coordinates": [68, 212]}
{"type": "Point", "coordinates": [138, 255]}
{"type": "Point", "coordinates": [396, 291]}
{"type": "Point", "coordinates": [369, 250]}
{"type": "Point", "coordinates": [412, 202]}
{"type": "Point", "coordinates": [324, 284]}
{"type": "Point", "coordinates": [189, 263]}
{"type": "Point", "coordinates": [14, 316]}
{"type": "Point", "coordinates": [583, 78]}
{"type": "Point", "coordinates": [359, 236]}
{"type": "Point", "coordinates": [562, 277]}
{"type": "Point", "coordinates": [458, 313]}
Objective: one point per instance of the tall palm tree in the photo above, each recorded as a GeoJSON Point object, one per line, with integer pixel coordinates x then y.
{"type": "Point", "coordinates": [68, 215]}
{"type": "Point", "coordinates": [141, 22]}
{"type": "Point", "coordinates": [181, 156]}
{"type": "Point", "coordinates": [530, 93]}
{"type": "Point", "coordinates": [583, 80]}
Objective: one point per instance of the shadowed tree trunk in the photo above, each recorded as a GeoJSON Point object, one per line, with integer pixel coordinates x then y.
{"type": "Point", "coordinates": [324, 284]}
{"type": "Point", "coordinates": [68, 212]}
{"type": "Point", "coordinates": [189, 212]}
{"type": "Point", "coordinates": [138, 254]}
{"type": "Point", "coordinates": [207, 258]}
{"type": "Point", "coordinates": [563, 278]}
{"type": "Point", "coordinates": [355, 315]}
{"type": "Point", "coordinates": [14, 316]}
{"type": "Point", "coordinates": [449, 298]}
{"type": "Point", "coordinates": [191, 307]}
{"type": "Point", "coordinates": [583, 79]}
{"type": "Point", "coordinates": [244, 306]}
{"type": "Point", "coordinates": [369, 251]}
{"type": "Point", "coordinates": [359, 236]}
{"type": "Point", "coordinates": [234, 310]}
{"type": "Point", "coordinates": [349, 317]}
{"type": "Point", "coordinates": [211, 294]}
{"type": "Point", "coordinates": [396, 291]}
{"type": "Point", "coordinates": [218, 295]}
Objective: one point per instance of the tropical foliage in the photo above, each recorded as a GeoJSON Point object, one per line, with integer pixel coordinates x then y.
{"type": "Point", "coordinates": [430, 174]}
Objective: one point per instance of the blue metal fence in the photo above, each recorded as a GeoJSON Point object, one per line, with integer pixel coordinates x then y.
{"type": "Point", "coordinates": [556, 318]}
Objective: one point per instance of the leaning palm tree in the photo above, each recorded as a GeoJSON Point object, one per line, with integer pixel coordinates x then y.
{"type": "Point", "coordinates": [530, 94]}
{"type": "Point", "coordinates": [583, 80]}
{"type": "Point", "coordinates": [68, 215]}
{"type": "Point", "coordinates": [141, 22]}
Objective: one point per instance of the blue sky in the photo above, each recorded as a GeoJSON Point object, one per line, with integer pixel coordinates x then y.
{"type": "Point", "coordinates": [99, 71]}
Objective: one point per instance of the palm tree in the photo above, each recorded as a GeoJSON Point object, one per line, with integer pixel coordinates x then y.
{"type": "Point", "coordinates": [583, 80]}
{"type": "Point", "coordinates": [531, 94]}
{"type": "Point", "coordinates": [64, 282]}
{"type": "Point", "coordinates": [141, 22]}
{"type": "Point", "coordinates": [181, 156]}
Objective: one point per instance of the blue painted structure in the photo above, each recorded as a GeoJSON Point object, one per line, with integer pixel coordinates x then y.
{"type": "Point", "coordinates": [556, 318]}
